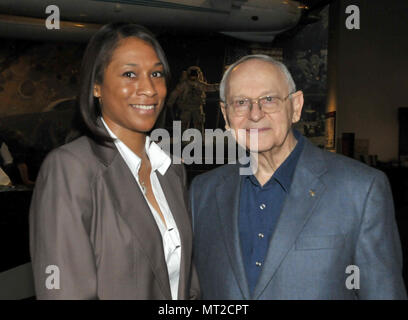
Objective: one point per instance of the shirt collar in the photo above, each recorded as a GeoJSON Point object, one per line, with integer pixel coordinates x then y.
{"type": "Point", "coordinates": [284, 174]}
{"type": "Point", "coordinates": [159, 160]}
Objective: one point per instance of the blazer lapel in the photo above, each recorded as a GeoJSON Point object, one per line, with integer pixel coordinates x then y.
{"type": "Point", "coordinates": [136, 212]}
{"type": "Point", "coordinates": [305, 192]}
{"type": "Point", "coordinates": [228, 194]}
{"type": "Point", "coordinates": [174, 196]}
{"type": "Point", "coordinates": [134, 209]}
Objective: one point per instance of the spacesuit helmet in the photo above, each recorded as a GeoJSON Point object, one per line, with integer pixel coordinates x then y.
{"type": "Point", "coordinates": [194, 73]}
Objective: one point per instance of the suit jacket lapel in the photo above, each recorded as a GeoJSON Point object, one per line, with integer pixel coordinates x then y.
{"type": "Point", "coordinates": [228, 194]}
{"type": "Point", "coordinates": [134, 209]}
{"type": "Point", "coordinates": [305, 192]}
{"type": "Point", "coordinates": [174, 196]}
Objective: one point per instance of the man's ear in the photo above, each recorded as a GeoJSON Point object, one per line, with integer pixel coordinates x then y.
{"type": "Point", "coordinates": [297, 105]}
{"type": "Point", "coordinates": [97, 90]}
{"type": "Point", "coordinates": [224, 114]}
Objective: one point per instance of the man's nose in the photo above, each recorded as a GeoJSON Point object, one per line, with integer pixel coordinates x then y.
{"type": "Point", "coordinates": [146, 86]}
{"type": "Point", "coordinates": [256, 112]}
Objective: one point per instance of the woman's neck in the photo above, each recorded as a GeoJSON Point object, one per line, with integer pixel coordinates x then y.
{"type": "Point", "coordinates": [134, 140]}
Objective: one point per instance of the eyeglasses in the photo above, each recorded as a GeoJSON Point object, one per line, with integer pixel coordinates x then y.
{"type": "Point", "coordinates": [268, 104]}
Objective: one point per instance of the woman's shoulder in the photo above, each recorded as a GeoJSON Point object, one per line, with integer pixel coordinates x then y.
{"type": "Point", "coordinates": [79, 148]}
{"type": "Point", "coordinates": [77, 154]}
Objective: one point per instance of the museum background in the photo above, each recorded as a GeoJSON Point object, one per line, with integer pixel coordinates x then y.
{"type": "Point", "coordinates": [354, 83]}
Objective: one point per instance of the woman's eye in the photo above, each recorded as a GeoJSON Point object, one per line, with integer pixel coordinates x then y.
{"type": "Point", "coordinates": [157, 74]}
{"type": "Point", "coordinates": [129, 74]}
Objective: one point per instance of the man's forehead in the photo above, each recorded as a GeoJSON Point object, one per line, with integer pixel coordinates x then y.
{"type": "Point", "coordinates": [256, 71]}
{"type": "Point", "coordinates": [255, 65]}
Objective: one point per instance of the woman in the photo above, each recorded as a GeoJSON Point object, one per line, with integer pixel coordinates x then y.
{"type": "Point", "coordinates": [108, 218]}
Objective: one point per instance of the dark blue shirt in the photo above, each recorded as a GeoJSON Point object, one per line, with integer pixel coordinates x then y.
{"type": "Point", "coordinates": [259, 210]}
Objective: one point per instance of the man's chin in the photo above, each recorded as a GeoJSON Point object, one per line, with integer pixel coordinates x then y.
{"type": "Point", "coordinates": [258, 149]}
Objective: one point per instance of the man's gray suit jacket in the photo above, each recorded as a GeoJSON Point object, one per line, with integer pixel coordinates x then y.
{"type": "Point", "coordinates": [338, 213]}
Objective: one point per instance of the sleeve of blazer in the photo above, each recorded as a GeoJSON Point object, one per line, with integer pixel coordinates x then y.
{"type": "Point", "coordinates": [195, 286]}
{"type": "Point", "coordinates": [60, 223]}
{"type": "Point", "coordinates": [378, 251]}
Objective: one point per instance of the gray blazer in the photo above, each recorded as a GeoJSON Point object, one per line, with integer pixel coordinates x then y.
{"type": "Point", "coordinates": [338, 212]}
{"type": "Point", "coordinates": [89, 218]}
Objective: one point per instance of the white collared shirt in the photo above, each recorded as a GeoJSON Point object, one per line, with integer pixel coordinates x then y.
{"type": "Point", "coordinates": [160, 162]}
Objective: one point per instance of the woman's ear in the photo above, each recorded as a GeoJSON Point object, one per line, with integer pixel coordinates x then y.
{"type": "Point", "coordinates": [97, 91]}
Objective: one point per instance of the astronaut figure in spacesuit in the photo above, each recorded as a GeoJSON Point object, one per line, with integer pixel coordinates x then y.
{"type": "Point", "coordinates": [190, 97]}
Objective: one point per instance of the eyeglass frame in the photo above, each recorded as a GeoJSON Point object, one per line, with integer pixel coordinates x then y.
{"type": "Point", "coordinates": [251, 102]}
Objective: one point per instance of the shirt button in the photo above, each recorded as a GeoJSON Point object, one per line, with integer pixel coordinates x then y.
{"type": "Point", "coordinates": [258, 264]}
{"type": "Point", "coordinates": [261, 235]}
{"type": "Point", "coordinates": [262, 206]}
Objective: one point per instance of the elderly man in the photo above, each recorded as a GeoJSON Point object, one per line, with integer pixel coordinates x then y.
{"type": "Point", "coordinates": [307, 224]}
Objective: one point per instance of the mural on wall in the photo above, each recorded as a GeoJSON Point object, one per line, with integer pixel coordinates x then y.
{"type": "Point", "coordinates": [306, 57]}
{"type": "Point", "coordinates": [38, 86]}
{"type": "Point", "coordinates": [33, 75]}
{"type": "Point", "coordinates": [36, 82]}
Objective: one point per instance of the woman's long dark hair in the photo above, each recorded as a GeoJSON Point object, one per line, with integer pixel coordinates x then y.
{"type": "Point", "coordinates": [97, 56]}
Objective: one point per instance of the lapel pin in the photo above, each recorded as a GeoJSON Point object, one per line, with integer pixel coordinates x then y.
{"type": "Point", "coordinates": [312, 193]}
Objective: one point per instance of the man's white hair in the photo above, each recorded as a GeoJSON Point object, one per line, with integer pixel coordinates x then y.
{"type": "Point", "coordinates": [263, 57]}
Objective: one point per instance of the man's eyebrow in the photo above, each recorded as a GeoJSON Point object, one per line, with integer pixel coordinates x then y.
{"type": "Point", "coordinates": [267, 93]}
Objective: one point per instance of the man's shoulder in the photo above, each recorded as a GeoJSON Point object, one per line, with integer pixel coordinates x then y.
{"type": "Point", "coordinates": [349, 169]}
